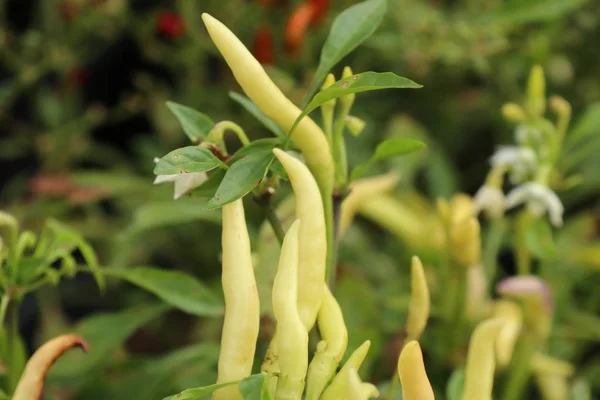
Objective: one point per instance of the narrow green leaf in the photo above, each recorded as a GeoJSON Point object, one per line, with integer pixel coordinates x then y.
{"type": "Point", "coordinates": [259, 115]}
{"type": "Point", "coordinates": [242, 177]}
{"type": "Point", "coordinates": [187, 160]}
{"type": "Point", "coordinates": [195, 124]}
{"type": "Point", "coordinates": [158, 375]}
{"type": "Point", "coordinates": [350, 28]}
{"type": "Point", "coordinates": [253, 388]}
{"type": "Point", "coordinates": [105, 333]}
{"type": "Point", "coordinates": [527, 11]}
{"type": "Point", "coordinates": [388, 149]}
{"type": "Point", "coordinates": [175, 288]}
{"type": "Point", "coordinates": [65, 235]}
{"type": "Point", "coordinates": [160, 214]}
{"type": "Point", "coordinates": [364, 82]}
{"type": "Point", "coordinates": [198, 393]}
{"type": "Point", "coordinates": [456, 383]}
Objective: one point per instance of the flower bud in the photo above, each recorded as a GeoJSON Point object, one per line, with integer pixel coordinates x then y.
{"type": "Point", "coordinates": [355, 125]}
{"type": "Point", "coordinates": [536, 92]}
{"type": "Point", "coordinates": [513, 112]}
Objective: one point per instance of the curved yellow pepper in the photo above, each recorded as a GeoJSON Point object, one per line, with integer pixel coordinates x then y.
{"type": "Point", "coordinates": [257, 85]}
{"type": "Point", "coordinates": [242, 309]}
{"type": "Point", "coordinates": [413, 377]}
{"type": "Point", "coordinates": [312, 238]}
{"type": "Point", "coordinates": [418, 311]}
{"type": "Point", "coordinates": [339, 385]}
{"type": "Point", "coordinates": [292, 337]}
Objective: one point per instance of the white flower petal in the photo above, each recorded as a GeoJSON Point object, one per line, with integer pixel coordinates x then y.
{"type": "Point", "coordinates": [489, 199]}
{"type": "Point", "coordinates": [539, 198]}
{"type": "Point", "coordinates": [165, 178]}
{"type": "Point", "coordinates": [188, 182]}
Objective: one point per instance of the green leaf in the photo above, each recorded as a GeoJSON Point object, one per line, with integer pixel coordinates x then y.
{"type": "Point", "coordinates": [198, 393]}
{"type": "Point", "coordinates": [159, 214]}
{"type": "Point", "coordinates": [539, 240]}
{"type": "Point", "coordinates": [195, 124]}
{"type": "Point", "coordinates": [526, 11]}
{"type": "Point", "coordinates": [456, 383]}
{"type": "Point", "coordinates": [157, 375]}
{"type": "Point", "coordinates": [105, 333]}
{"type": "Point", "coordinates": [242, 177]}
{"type": "Point", "coordinates": [175, 288]}
{"type": "Point", "coordinates": [208, 189]}
{"type": "Point", "coordinates": [253, 388]}
{"type": "Point", "coordinates": [351, 27]}
{"type": "Point", "coordinates": [262, 118]}
{"type": "Point", "coordinates": [66, 236]}
{"type": "Point", "coordinates": [388, 149]}
{"type": "Point", "coordinates": [13, 355]}
{"type": "Point", "coordinates": [358, 83]}
{"type": "Point", "coordinates": [187, 160]}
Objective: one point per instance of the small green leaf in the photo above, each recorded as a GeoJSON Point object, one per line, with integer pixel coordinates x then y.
{"type": "Point", "coordinates": [187, 160]}
{"type": "Point", "coordinates": [388, 149]}
{"type": "Point", "coordinates": [253, 388]}
{"type": "Point", "coordinates": [456, 383]}
{"type": "Point", "coordinates": [259, 115]}
{"type": "Point", "coordinates": [350, 28]}
{"type": "Point", "coordinates": [364, 82]}
{"type": "Point", "coordinates": [242, 177]}
{"type": "Point", "coordinates": [66, 236]}
{"type": "Point", "coordinates": [195, 124]}
{"type": "Point", "coordinates": [198, 393]}
{"type": "Point", "coordinates": [105, 333]}
{"type": "Point", "coordinates": [159, 214]}
{"type": "Point", "coordinates": [261, 145]}
{"type": "Point", "coordinates": [175, 288]}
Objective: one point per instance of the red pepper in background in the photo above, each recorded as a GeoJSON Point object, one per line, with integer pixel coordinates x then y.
{"type": "Point", "coordinates": [320, 8]}
{"type": "Point", "coordinates": [296, 27]}
{"type": "Point", "coordinates": [263, 45]}
{"type": "Point", "coordinates": [170, 25]}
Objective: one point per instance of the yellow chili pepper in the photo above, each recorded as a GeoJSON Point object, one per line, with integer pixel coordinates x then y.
{"type": "Point", "coordinates": [331, 349]}
{"type": "Point", "coordinates": [418, 311]}
{"type": "Point", "coordinates": [359, 390]}
{"type": "Point", "coordinates": [479, 371]}
{"type": "Point", "coordinates": [552, 387]}
{"type": "Point", "coordinates": [292, 337]}
{"type": "Point", "coordinates": [242, 309]}
{"type": "Point", "coordinates": [268, 98]}
{"type": "Point", "coordinates": [510, 313]}
{"type": "Point", "coordinates": [548, 365]}
{"type": "Point", "coordinates": [413, 377]}
{"type": "Point", "coordinates": [360, 191]}
{"type": "Point", "coordinates": [31, 383]}
{"type": "Point", "coordinates": [339, 385]}
{"type": "Point", "coordinates": [312, 239]}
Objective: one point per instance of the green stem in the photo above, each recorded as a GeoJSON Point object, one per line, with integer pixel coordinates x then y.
{"type": "Point", "coordinates": [491, 248]}
{"type": "Point", "coordinates": [330, 234]}
{"type": "Point", "coordinates": [3, 307]}
{"type": "Point", "coordinates": [275, 222]}
{"type": "Point", "coordinates": [339, 149]}
{"type": "Point", "coordinates": [333, 244]}
{"type": "Point", "coordinates": [217, 133]}
{"type": "Point", "coordinates": [520, 367]}
{"type": "Point", "coordinates": [522, 254]}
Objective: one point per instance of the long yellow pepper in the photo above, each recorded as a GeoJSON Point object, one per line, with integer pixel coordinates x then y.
{"type": "Point", "coordinates": [242, 309]}
{"type": "Point", "coordinates": [361, 191]}
{"type": "Point", "coordinates": [292, 337]}
{"type": "Point", "coordinates": [418, 311]}
{"type": "Point", "coordinates": [359, 390]}
{"type": "Point", "coordinates": [479, 371]}
{"type": "Point", "coordinates": [270, 100]}
{"type": "Point", "coordinates": [331, 349]}
{"type": "Point", "coordinates": [413, 377]}
{"type": "Point", "coordinates": [510, 312]}
{"type": "Point", "coordinates": [311, 237]}
{"type": "Point", "coordinates": [339, 385]}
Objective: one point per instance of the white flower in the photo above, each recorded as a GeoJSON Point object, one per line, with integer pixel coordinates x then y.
{"type": "Point", "coordinates": [183, 182]}
{"type": "Point", "coordinates": [522, 161]}
{"type": "Point", "coordinates": [489, 199]}
{"type": "Point", "coordinates": [527, 135]}
{"type": "Point", "coordinates": [539, 199]}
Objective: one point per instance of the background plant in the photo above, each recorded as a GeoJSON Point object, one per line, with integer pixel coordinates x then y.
{"type": "Point", "coordinates": [105, 196]}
